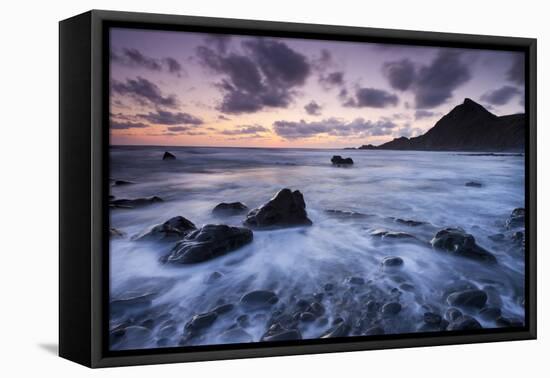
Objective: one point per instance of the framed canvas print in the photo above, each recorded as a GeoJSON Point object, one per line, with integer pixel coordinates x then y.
{"type": "Point", "coordinates": [234, 188]}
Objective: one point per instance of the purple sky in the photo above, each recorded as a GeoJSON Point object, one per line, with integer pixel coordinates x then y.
{"type": "Point", "coordinates": [180, 88]}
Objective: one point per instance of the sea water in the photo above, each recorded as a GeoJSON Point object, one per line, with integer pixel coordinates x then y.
{"type": "Point", "coordinates": [298, 263]}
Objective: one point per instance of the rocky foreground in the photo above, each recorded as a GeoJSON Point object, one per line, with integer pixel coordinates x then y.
{"type": "Point", "coordinates": [342, 306]}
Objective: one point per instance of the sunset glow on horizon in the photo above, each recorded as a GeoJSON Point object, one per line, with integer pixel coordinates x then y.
{"type": "Point", "coordinates": [195, 89]}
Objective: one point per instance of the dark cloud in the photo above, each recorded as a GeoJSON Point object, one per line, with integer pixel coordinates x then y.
{"type": "Point", "coordinates": [401, 74]}
{"type": "Point", "coordinates": [516, 73]}
{"type": "Point", "coordinates": [373, 98]}
{"type": "Point", "coordinates": [179, 129]}
{"type": "Point", "coordinates": [435, 83]}
{"type": "Point", "coordinates": [324, 61]}
{"type": "Point", "coordinates": [173, 66]}
{"type": "Point", "coordinates": [335, 127]}
{"type": "Point", "coordinates": [124, 125]}
{"type": "Point", "coordinates": [332, 79]}
{"type": "Point", "coordinates": [500, 96]}
{"type": "Point", "coordinates": [220, 42]}
{"type": "Point", "coordinates": [221, 117]}
{"type": "Point", "coordinates": [135, 58]}
{"type": "Point", "coordinates": [265, 76]}
{"type": "Point", "coordinates": [246, 130]}
{"type": "Point", "coordinates": [422, 113]}
{"type": "Point", "coordinates": [162, 117]}
{"type": "Point", "coordinates": [144, 92]}
{"type": "Point", "coordinates": [313, 108]}
{"type": "Point", "coordinates": [281, 65]}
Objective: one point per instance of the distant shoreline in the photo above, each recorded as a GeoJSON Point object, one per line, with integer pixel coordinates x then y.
{"type": "Point", "coordinates": [455, 152]}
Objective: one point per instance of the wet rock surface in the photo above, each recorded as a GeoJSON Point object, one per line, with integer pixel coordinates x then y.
{"type": "Point", "coordinates": [172, 230]}
{"type": "Point", "coordinates": [468, 299]}
{"type": "Point", "coordinates": [168, 156]}
{"type": "Point", "coordinates": [207, 243]}
{"type": "Point", "coordinates": [459, 243]}
{"type": "Point", "coordinates": [340, 161]}
{"type": "Point", "coordinates": [285, 209]}
{"type": "Point", "coordinates": [229, 208]}
{"type": "Point", "coordinates": [133, 203]}
{"type": "Point", "coordinates": [516, 219]}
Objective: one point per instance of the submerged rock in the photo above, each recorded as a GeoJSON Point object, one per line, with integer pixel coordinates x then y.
{"type": "Point", "coordinates": [172, 230]}
{"type": "Point", "coordinates": [235, 335]}
{"type": "Point", "coordinates": [339, 160]}
{"type": "Point", "coordinates": [277, 333]}
{"type": "Point", "coordinates": [200, 322]}
{"type": "Point", "coordinates": [463, 323]}
{"type": "Point", "coordinates": [342, 214]}
{"type": "Point", "coordinates": [115, 233]}
{"type": "Point", "coordinates": [208, 242]}
{"type": "Point", "coordinates": [452, 314]}
{"type": "Point", "coordinates": [231, 208]}
{"type": "Point", "coordinates": [133, 203]}
{"type": "Point", "coordinates": [410, 222]}
{"type": "Point", "coordinates": [392, 262]}
{"type": "Point", "coordinates": [468, 299]}
{"type": "Point", "coordinates": [517, 218]}
{"type": "Point", "coordinates": [340, 329]}
{"type": "Point", "coordinates": [385, 234]}
{"type": "Point", "coordinates": [473, 184]}
{"type": "Point", "coordinates": [168, 156]}
{"type": "Point", "coordinates": [122, 183]}
{"type": "Point", "coordinates": [391, 309]}
{"type": "Point", "coordinates": [432, 318]}
{"type": "Point", "coordinates": [459, 243]}
{"type": "Point", "coordinates": [259, 299]}
{"type": "Point", "coordinates": [285, 209]}
{"type": "Point", "coordinates": [490, 313]}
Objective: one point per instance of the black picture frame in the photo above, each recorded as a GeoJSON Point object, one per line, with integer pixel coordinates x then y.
{"type": "Point", "coordinates": [84, 167]}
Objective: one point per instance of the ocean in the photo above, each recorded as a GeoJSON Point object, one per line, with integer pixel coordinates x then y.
{"type": "Point", "coordinates": [336, 262]}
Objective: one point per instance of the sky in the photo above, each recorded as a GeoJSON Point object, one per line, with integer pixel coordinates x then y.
{"type": "Point", "coordinates": [194, 89]}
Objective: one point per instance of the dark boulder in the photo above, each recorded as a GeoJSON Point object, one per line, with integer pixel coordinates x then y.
{"type": "Point", "coordinates": [133, 203]}
{"type": "Point", "coordinates": [356, 281]}
{"type": "Point", "coordinates": [223, 309]}
{"type": "Point", "coordinates": [391, 309]}
{"type": "Point", "coordinates": [208, 242]}
{"type": "Point", "coordinates": [468, 299]}
{"type": "Point", "coordinates": [285, 209]}
{"type": "Point", "coordinates": [432, 318]}
{"type": "Point", "coordinates": [464, 323]}
{"type": "Point", "coordinates": [517, 218]}
{"type": "Point", "coordinates": [172, 230]}
{"type": "Point", "coordinates": [340, 329]}
{"type": "Point", "coordinates": [459, 243]}
{"type": "Point", "coordinates": [452, 314]}
{"type": "Point", "coordinates": [392, 262]}
{"type": "Point", "coordinates": [168, 156]}
{"type": "Point", "coordinates": [200, 322]}
{"type": "Point", "coordinates": [490, 313]}
{"type": "Point", "coordinates": [339, 160]}
{"type": "Point", "coordinates": [259, 299]}
{"type": "Point", "coordinates": [231, 208]}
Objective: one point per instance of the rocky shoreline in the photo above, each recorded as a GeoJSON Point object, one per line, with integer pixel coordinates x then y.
{"type": "Point", "coordinates": [341, 306]}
